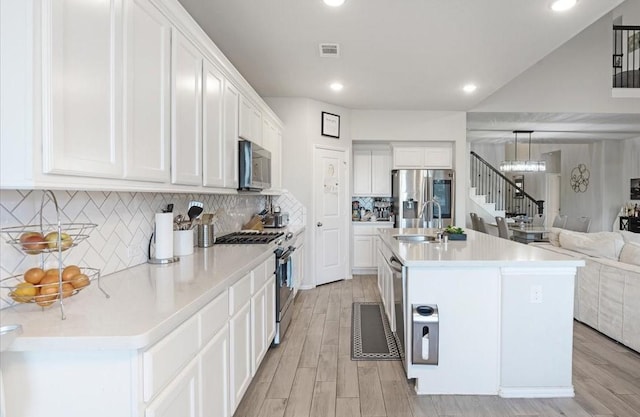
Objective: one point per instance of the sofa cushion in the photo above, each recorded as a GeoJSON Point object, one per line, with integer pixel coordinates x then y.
{"type": "Point", "coordinates": [630, 237]}
{"type": "Point", "coordinates": [630, 253]}
{"type": "Point", "coordinates": [602, 244]}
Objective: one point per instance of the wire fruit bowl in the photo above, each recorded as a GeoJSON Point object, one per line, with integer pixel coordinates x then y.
{"type": "Point", "coordinates": [45, 238]}
{"type": "Point", "coordinates": [46, 294]}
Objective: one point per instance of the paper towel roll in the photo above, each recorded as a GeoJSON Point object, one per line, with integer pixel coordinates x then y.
{"type": "Point", "coordinates": [164, 235]}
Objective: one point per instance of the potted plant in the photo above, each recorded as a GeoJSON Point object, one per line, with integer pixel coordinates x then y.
{"type": "Point", "coordinates": [455, 233]}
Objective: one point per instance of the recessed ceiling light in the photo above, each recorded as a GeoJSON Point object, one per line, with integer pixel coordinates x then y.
{"type": "Point", "coordinates": [469, 88]}
{"type": "Point", "coordinates": [336, 86]}
{"type": "Point", "coordinates": [334, 3]}
{"type": "Point", "coordinates": [562, 5]}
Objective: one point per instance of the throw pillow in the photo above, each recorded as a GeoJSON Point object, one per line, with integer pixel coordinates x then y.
{"type": "Point", "coordinates": [601, 245]}
{"type": "Point", "coordinates": [630, 253]}
{"type": "Point", "coordinates": [554, 235]}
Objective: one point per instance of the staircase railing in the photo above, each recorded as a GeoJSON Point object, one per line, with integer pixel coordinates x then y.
{"type": "Point", "coordinates": [626, 56]}
{"type": "Point", "coordinates": [501, 191]}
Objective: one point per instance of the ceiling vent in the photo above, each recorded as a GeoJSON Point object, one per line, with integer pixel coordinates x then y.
{"type": "Point", "coordinates": [329, 50]}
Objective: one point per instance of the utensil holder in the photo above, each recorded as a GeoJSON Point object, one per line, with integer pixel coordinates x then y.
{"type": "Point", "coordinates": [182, 242]}
{"type": "Point", "coordinates": [206, 237]}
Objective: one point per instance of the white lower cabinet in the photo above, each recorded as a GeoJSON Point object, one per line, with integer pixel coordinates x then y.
{"type": "Point", "coordinates": [180, 398]}
{"type": "Point", "coordinates": [240, 342]}
{"type": "Point", "coordinates": [364, 246]}
{"type": "Point", "coordinates": [258, 328]}
{"type": "Point", "coordinates": [214, 376]}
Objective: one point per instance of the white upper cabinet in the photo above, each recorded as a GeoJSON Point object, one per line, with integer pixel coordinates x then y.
{"type": "Point", "coordinates": [231, 100]}
{"type": "Point", "coordinates": [147, 92]}
{"type": "Point", "coordinates": [186, 112]}
{"type": "Point", "coordinates": [272, 141]}
{"type": "Point", "coordinates": [417, 157]}
{"type": "Point", "coordinates": [82, 88]}
{"type": "Point", "coordinates": [212, 137]}
{"type": "Point", "coordinates": [372, 172]}
{"type": "Point", "coordinates": [119, 95]}
{"type": "Point", "coordinates": [250, 121]}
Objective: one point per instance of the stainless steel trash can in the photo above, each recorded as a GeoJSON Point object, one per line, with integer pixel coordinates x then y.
{"type": "Point", "coordinates": [425, 325]}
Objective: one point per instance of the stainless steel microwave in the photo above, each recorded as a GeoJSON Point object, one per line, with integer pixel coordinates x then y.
{"type": "Point", "coordinates": [255, 167]}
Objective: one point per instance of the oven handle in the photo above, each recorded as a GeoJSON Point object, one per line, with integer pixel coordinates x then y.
{"type": "Point", "coordinates": [392, 261]}
{"type": "Point", "coordinates": [284, 258]}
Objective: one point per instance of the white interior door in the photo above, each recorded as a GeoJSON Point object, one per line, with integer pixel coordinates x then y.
{"type": "Point", "coordinates": [330, 188]}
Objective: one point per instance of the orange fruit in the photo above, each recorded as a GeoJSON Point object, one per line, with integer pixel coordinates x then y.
{"type": "Point", "coordinates": [47, 296]}
{"type": "Point", "coordinates": [67, 290]}
{"type": "Point", "coordinates": [80, 281]}
{"type": "Point", "coordinates": [34, 275]}
{"type": "Point", "coordinates": [69, 272]}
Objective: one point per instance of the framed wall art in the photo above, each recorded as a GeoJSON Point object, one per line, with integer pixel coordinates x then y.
{"type": "Point", "coordinates": [635, 188]}
{"type": "Point", "coordinates": [330, 125]}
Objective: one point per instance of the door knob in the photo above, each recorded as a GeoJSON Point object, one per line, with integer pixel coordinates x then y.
{"type": "Point", "coordinates": [319, 224]}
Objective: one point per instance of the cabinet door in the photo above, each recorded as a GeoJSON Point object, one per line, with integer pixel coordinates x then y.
{"type": "Point", "coordinates": [186, 112]}
{"type": "Point", "coordinates": [147, 93]}
{"type": "Point", "coordinates": [408, 158]}
{"type": "Point", "coordinates": [363, 252]}
{"type": "Point", "coordinates": [438, 157]}
{"type": "Point", "coordinates": [240, 354]}
{"type": "Point", "coordinates": [231, 99]}
{"type": "Point", "coordinates": [245, 129]}
{"type": "Point", "coordinates": [272, 141]}
{"type": "Point", "coordinates": [212, 136]}
{"type": "Point", "coordinates": [362, 173]}
{"type": "Point", "coordinates": [82, 89]}
{"type": "Point", "coordinates": [258, 328]}
{"type": "Point", "coordinates": [214, 376]}
{"type": "Point", "coordinates": [381, 173]}
{"type": "Point", "coordinates": [180, 398]}
{"type": "Point", "coordinates": [270, 307]}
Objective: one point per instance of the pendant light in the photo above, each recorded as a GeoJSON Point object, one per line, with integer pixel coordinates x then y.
{"type": "Point", "coordinates": [528, 165]}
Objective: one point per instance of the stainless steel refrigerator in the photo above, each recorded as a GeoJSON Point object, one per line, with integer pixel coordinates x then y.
{"type": "Point", "coordinates": [411, 189]}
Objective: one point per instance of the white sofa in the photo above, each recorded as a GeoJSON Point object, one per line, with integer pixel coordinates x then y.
{"type": "Point", "coordinates": [607, 292]}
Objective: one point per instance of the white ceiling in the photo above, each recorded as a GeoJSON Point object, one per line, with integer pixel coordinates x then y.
{"type": "Point", "coordinates": [396, 55]}
{"type": "Point", "coordinates": [552, 127]}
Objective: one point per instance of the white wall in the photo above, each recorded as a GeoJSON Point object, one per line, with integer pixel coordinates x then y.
{"type": "Point", "coordinates": [424, 126]}
{"type": "Point", "coordinates": [302, 127]}
{"type": "Point", "coordinates": [574, 78]}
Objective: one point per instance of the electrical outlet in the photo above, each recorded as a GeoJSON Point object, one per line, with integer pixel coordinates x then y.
{"type": "Point", "coordinates": [536, 294]}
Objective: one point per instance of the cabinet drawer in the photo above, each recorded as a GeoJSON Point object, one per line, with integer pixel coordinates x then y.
{"type": "Point", "coordinates": [239, 294]}
{"type": "Point", "coordinates": [361, 230]}
{"type": "Point", "coordinates": [166, 358]}
{"type": "Point", "coordinates": [258, 278]}
{"type": "Point", "coordinates": [214, 316]}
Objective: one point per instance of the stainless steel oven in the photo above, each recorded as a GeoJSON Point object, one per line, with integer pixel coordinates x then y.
{"type": "Point", "coordinates": [398, 306]}
{"type": "Point", "coordinates": [285, 281]}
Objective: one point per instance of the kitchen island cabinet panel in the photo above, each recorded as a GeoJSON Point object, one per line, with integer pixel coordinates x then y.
{"type": "Point", "coordinates": [147, 91]}
{"type": "Point", "coordinates": [82, 88]}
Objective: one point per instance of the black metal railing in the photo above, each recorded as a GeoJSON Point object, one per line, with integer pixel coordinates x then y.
{"type": "Point", "coordinates": [501, 191]}
{"type": "Point", "coordinates": [626, 56]}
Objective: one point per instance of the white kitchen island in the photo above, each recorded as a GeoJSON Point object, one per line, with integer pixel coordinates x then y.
{"type": "Point", "coordinates": [505, 314]}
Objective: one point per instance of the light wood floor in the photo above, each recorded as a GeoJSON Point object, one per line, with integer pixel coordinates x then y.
{"type": "Point", "coordinates": [311, 373]}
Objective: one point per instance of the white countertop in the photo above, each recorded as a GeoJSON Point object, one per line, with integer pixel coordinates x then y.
{"type": "Point", "coordinates": [146, 301]}
{"type": "Point", "coordinates": [480, 249]}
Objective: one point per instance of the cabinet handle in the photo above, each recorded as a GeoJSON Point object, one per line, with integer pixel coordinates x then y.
{"type": "Point", "coordinates": [319, 224]}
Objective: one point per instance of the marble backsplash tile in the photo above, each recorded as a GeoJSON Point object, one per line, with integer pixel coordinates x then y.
{"type": "Point", "coordinates": [124, 223]}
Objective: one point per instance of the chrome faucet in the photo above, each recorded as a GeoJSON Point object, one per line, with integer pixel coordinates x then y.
{"type": "Point", "coordinates": [424, 217]}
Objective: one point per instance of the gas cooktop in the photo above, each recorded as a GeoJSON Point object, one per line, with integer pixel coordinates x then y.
{"type": "Point", "coordinates": [248, 237]}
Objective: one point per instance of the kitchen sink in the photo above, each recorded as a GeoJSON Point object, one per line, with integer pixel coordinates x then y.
{"type": "Point", "coordinates": [415, 238]}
